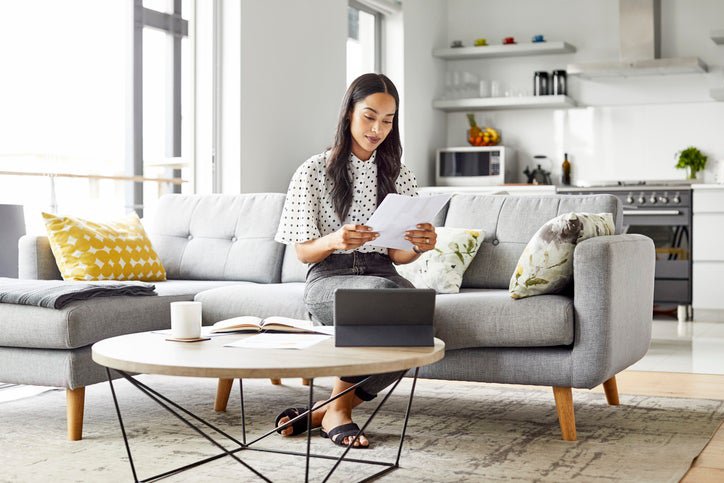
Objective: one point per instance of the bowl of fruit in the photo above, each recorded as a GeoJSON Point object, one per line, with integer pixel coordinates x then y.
{"type": "Point", "coordinates": [481, 135]}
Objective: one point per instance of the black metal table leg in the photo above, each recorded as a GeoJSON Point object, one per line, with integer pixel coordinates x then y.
{"type": "Point", "coordinates": [120, 422]}
{"type": "Point", "coordinates": [173, 407]}
{"type": "Point", "coordinates": [310, 409]}
{"type": "Point", "coordinates": [243, 415]}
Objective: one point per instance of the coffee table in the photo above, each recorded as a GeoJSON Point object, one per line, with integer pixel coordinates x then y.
{"type": "Point", "coordinates": [151, 353]}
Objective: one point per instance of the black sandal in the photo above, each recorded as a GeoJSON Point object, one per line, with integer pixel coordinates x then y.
{"type": "Point", "coordinates": [338, 434]}
{"type": "Point", "coordinates": [299, 426]}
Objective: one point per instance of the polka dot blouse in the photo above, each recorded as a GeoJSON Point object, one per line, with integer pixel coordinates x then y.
{"type": "Point", "coordinates": [309, 211]}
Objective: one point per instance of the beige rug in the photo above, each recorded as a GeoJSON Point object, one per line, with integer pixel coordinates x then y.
{"type": "Point", "coordinates": [457, 432]}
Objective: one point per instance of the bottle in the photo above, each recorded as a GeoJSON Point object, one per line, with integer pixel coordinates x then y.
{"type": "Point", "coordinates": [558, 83]}
{"type": "Point", "coordinates": [566, 171]}
{"type": "Point", "coordinates": [540, 83]}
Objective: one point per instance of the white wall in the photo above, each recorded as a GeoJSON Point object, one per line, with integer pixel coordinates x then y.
{"type": "Point", "coordinates": [293, 64]}
{"type": "Point", "coordinates": [423, 127]}
{"type": "Point", "coordinates": [627, 128]}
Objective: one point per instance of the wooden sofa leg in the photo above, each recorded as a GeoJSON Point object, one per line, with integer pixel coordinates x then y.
{"type": "Point", "coordinates": [611, 390]}
{"type": "Point", "coordinates": [75, 402]}
{"type": "Point", "coordinates": [223, 389]}
{"type": "Point", "coordinates": [566, 417]}
{"type": "Point", "coordinates": [276, 382]}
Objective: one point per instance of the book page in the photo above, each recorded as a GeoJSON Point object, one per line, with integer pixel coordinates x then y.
{"type": "Point", "coordinates": [237, 324]}
{"type": "Point", "coordinates": [398, 213]}
{"type": "Point", "coordinates": [286, 324]}
{"type": "Point", "coordinates": [278, 341]}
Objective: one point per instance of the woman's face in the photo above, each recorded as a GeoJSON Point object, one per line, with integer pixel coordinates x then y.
{"type": "Point", "coordinates": [371, 122]}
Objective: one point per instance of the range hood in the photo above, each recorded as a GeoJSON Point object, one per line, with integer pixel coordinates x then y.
{"type": "Point", "coordinates": [639, 26]}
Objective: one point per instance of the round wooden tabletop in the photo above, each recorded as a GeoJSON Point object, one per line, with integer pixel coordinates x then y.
{"type": "Point", "coordinates": [151, 353]}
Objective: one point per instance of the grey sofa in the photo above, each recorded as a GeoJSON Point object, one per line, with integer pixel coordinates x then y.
{"type": "Point", "coordinates": [219, 249]}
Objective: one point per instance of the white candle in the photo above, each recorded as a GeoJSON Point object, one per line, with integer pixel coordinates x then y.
{"type": "Point", "coordinates": [186, 320]}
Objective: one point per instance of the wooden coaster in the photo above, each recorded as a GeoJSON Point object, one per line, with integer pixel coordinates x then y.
{"type": "Point", "coordinates": [193, 339]}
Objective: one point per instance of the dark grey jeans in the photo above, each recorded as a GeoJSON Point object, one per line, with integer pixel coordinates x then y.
{"type": "Point", "coordinates": [354, 270]}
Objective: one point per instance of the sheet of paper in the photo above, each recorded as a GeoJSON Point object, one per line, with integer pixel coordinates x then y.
{"type": "Point", "coordinates": [278, 341]}
{"type": "Point", "coordinates": [398, 213]}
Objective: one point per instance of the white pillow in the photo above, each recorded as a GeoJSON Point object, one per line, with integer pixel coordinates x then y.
{"type": "Point", "coordinates": [442, 269]}
{"type": "Point", "coordinates": [546, 264]}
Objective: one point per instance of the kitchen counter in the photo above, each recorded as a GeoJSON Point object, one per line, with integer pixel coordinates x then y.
{"type": "Point", "coordinates": [708, 186]}
{"type": "Point", "coordinates": [514, 189]}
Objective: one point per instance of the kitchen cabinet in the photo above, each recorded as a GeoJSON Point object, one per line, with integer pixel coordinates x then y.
{"type": "Point", "coordinates": [708, 252]}
{"type": "Point", "coordinates": [498, 103]}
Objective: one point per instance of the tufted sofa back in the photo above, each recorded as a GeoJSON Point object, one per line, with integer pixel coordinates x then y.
{"type": "Point", "coordinates": [231, 237]}
{"type": "Point", "coordinates": [509, 223]}
{"type": "Point", "coordinates": [219, 237]}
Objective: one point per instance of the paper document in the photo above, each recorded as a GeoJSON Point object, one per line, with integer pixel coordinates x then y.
{"type": "Point", "coordinates": [278, 341]}
{"type": "Point", "coordinates": [398, 213]}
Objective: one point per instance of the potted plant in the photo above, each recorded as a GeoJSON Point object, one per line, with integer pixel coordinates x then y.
{"type": "Point", "coordinates": [691, 159]}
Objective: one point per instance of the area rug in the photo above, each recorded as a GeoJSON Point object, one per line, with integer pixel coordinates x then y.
{"type": "Point", "coordinates": [457, 432]}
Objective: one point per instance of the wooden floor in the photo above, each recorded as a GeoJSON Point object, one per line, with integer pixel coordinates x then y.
{"type": "Point", "coordinates": [709, 466]}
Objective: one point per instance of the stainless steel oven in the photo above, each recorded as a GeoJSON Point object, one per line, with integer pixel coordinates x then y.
{"type": "Point", "coordinates": [663, 213]}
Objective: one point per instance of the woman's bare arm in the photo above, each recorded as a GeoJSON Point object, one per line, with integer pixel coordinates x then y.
{"type": "Point", "coordinates": [348, 237]}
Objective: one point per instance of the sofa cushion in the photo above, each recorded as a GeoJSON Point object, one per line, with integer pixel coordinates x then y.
{"type": "Point", "coordinates": [261, 300]}
{"type": "Point", "coordinates": [546, 264]}
{"type": "Point", "coordinates": [82, 323]}
{"type": "Point", "coordinates": [218, 237]}
{"type": "Point", "coordinates": [113, 250]}
{"type": "Point", "coordinates": [509, 222]}
{"type": "Point", "coordinates": [490, 318]}
{"type": "Point", "coordinates": [292, 269]}
{"type": "Point", "coordinates": [442, 269]}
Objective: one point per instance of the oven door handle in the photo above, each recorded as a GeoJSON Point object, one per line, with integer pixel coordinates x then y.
{"type": "Point", "coordinates": [651, 212]}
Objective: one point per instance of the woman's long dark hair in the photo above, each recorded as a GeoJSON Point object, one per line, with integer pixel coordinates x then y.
{"type": "Point", "coordinates": [389, 153]}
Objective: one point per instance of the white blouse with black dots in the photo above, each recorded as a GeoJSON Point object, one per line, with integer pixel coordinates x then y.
{"type": "Point", "coordinates": [309, 210]}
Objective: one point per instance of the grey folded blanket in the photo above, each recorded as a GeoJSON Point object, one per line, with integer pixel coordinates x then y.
{"type": "Point", "coordinates": [56, 294]}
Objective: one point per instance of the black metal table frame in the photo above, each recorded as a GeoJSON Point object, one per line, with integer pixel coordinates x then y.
{"type": "Point", "coordinates": [176, 410]}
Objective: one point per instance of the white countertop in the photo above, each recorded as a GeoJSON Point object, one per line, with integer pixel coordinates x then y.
{"type": "Point", "coordinates": [517, 188]}
{"type": "Point", "coordinates": [708, 186]}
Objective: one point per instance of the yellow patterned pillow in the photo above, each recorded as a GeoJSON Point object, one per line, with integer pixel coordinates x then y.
{"type": "Point", "coordinates": [86, 250]}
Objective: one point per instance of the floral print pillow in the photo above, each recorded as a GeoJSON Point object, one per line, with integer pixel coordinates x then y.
{"type": "Point", "coordinates": [442, 269]}
{"type": "Point", "coordinates": [546, 265]}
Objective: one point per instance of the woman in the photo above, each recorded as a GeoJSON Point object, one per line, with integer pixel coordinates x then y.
{"type": "Point", "coordinates": [330, 198]}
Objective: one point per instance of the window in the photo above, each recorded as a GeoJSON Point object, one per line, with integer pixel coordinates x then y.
{"type": "Point", "coordinates": [62, 94]}
{"type": "Point", "coordinates": [66, 103]}
{"type": "Point", "coordinates": [363, 40]}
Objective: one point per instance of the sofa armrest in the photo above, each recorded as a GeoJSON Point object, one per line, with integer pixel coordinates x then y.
{"type": "Point", "coordinates": [613, 292]}
{"type": "Point", "coordinates": [36, 260]}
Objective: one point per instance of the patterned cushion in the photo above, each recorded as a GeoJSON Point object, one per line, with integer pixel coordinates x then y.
{"type": "Point", "coordinates": [86, 250]}
{"type": "Point", "coordinates": [442, 268]}
{"type": "Point", "coordinates": [546, 265]}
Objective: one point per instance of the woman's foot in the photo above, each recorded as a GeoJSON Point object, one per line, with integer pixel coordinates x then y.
{"type": "Point", "coordinates": [334, 418]}
{"type": "Point", "coordinates": [317, 416]}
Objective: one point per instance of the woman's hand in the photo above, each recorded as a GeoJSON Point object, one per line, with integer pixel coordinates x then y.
{"type": "Point", "coordinates": [350, 237]}
{"type": "Point", "coordinates": [423, 238]}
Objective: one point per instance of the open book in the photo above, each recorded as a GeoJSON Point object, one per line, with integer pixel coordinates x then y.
{"type": "Point", "coordinates": [250, 323]}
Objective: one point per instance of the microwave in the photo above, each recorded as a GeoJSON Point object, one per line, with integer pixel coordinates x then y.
{"type": "Point", "coordinates": [474, 166]}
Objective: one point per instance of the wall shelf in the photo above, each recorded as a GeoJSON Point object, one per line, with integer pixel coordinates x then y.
{"type": "Point", "coordinates": [514, 50]}
{"type": "Point", "coordinates": [717, 94]}
{"type": "Point", "coordinates": [718, 36]}
{"type": "Point", "coordinates": [504, 103]}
